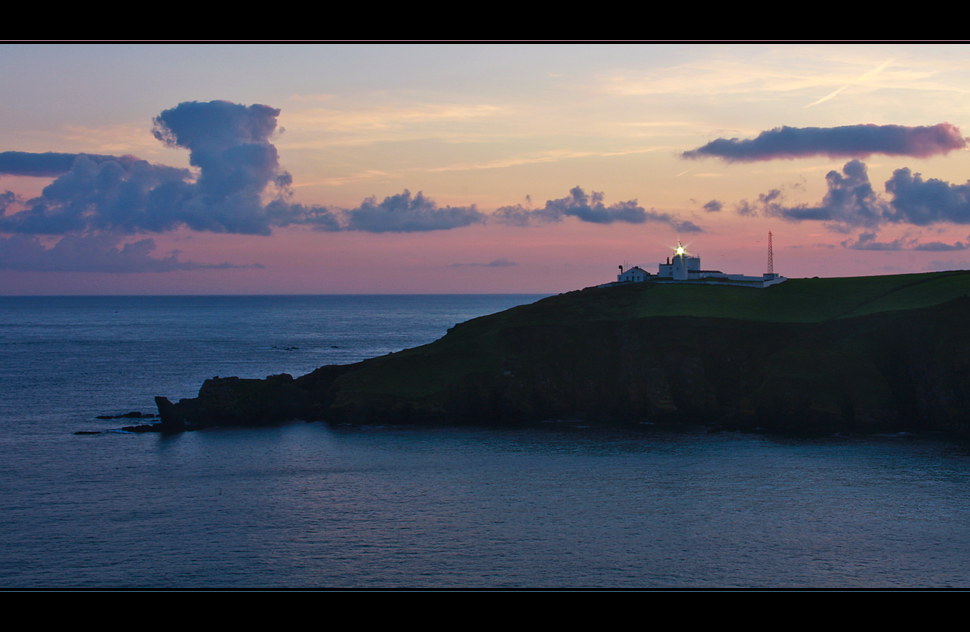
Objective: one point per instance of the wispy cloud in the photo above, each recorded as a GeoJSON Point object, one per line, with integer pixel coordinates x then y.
{"type": "Point", "coordinates": [768, 71]}
{"type": "Point", "coordinates": [336, 181]}
{"type": "Point", "coordinates": [864, 78]}
{"type": "Point", "coordinates": [535, 158]}
{"type": "Point", "coordinates": [109, 138]}
{"type": "Point", "coordinates": [497, 263]}
{"type": "Point", "coordinates": [355, 124]}
{"type": "Point", "coordinates": [808, 74]}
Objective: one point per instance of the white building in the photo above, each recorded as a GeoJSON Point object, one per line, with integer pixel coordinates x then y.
{"type": "Point", "coordinates": [636, 274]}
{"type": "Point", "coordinates": [683, 267]}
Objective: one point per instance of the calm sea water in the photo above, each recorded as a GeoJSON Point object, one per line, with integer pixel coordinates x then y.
{"type": "Point", "coordinates": [307, 505]}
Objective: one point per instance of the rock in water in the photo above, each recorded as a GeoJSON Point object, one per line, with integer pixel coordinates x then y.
{"type": "Point", "coordinates": [173, 419]}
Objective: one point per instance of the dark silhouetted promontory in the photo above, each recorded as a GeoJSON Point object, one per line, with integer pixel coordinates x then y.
{"type": "Point", "coordinates": [810, 355]}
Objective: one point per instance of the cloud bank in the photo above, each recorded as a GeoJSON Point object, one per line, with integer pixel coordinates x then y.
{"type": "Point", "coordinates": [849, 141]}
{"type": "Point", "coordinates": [93, 253]}
{"type": "Point", "coordinates": [47, 165]}
{"type": "Point", "coordinates": [588, 208]}
{"type": "Point", "coordinates": [236, 169]}
{"type": "Point", "coordinates": [867, 241]}
{"type": "Point", "coordinates": [236, 185]}
{"type": "Point", "coordinates": [405, 214]}
{"type": "Point", "coordinates": [851, 201]}
{"type": "Point", "coordinates": [923, 202]}
{"type": "Point", "coordinates": [227, 142]}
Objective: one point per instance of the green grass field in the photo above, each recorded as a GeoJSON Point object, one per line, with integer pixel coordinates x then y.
{"type": "Point", "coordinates": [479, 345]}
{"type": "Point", "coordinates": [808, 300]}
{"type": "Point", "coordinates": [794, 301]}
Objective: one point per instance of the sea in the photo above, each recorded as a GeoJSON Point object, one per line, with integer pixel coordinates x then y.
{"type": "Point", "coordinates": [561, 504]}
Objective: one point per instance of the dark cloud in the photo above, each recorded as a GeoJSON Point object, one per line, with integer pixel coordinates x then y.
{"type": "Point", "coordinates": [746, 209]}
{"type": "Point", "coordinates": [686, 227]}
{"type": "Point", "coordinates": [227, 142]}
{"type": "Point", "coordinates": [591, 208]}
{"type": "Point", "coordinates": [404, 214]}
{"type": "Point", "coordinates": [283, 213]}
{"type": "Point", "coordinates": [857, 141]}
{"type": "Point", "coordinates": [938, 246]}
{"type": "Point", "coordinates": [587, 208]}
{"type": "Point", "coordinates": [123, 196]}
{"type": "Point", "coordinates": [235, 169]}
{"type": "Point", "coordinates": [518, 215]}
{"type": "Point", "coordinates": [867, 241]}
{"type": "Point", "coordinates": [93, 253]}
{"type": "Point", "coordinates": [767, 204]}
{"type": "Point", "coordinates": [923, 202]}
{"type": "Point", "coordinates": [849, 203]}
{"type": "Point", "coordinates": [713, 206]}
{"type": "Point", "coordinates": [210, 128]}
{"type": "Point", "coordinates": [47, 165]}
{"type": "Point", "coordinates": [237, 165]}
{"type": "Point", "coordinates": [850, 200]}
{"type": "Point", "coordinates": [6, 199]}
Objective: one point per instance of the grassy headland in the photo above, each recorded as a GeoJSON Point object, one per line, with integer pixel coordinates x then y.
{"type": "Point", "coordinates": [861, 353]}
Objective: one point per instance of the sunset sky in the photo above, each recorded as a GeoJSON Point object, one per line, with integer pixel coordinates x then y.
{"type": "Point", "coordinates": [314, 169]}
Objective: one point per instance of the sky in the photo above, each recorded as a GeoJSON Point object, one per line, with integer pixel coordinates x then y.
{"type": "Point", "coordinates": [473, 168]}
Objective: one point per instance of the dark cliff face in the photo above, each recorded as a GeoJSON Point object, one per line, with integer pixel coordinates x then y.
{"type": "Point", "coordinates": [898, 370]}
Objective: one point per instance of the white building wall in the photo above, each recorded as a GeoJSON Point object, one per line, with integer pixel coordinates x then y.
{"type": "Point", "coordinates": [680, 268]}
{"type": "Point", "coordinates": [633, 275]}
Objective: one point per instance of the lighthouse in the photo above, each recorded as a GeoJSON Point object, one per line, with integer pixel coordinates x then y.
{"type": "Point", "coordinates": [685, 267]}
{"type": "Point", "coordinates": [680, 263]}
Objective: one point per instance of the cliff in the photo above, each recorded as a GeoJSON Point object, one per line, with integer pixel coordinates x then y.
{"type": "Point", "coordinates": [810, 355]}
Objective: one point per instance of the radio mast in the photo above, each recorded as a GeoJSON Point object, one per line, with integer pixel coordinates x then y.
{"type": "Point", "coordinates": [771, 264]}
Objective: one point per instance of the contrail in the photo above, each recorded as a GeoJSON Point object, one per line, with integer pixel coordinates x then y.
{"type": "Point", "coordinates": [865, 77]}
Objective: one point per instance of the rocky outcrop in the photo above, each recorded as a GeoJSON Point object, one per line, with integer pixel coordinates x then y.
{"type": "Point", "coordinates": [131, 415]}
{"type": "Point", "coordinates": [895, 370]}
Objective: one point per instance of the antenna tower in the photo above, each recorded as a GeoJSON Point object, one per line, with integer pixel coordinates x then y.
{"type": "Point", "coordinates": [771, 263]}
